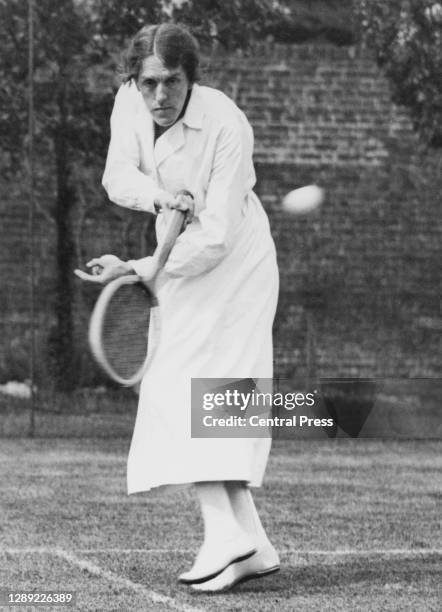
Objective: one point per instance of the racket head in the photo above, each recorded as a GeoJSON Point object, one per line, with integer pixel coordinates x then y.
{"type": "Point", "coordinates": [124, 329]}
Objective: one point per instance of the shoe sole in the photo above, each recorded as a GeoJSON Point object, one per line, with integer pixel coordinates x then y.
{"type": "Point", "coordinates": [218, 572]}
{"type": "Point", "coordinates": [254, 575]}
{"type": "Point", "coordinates": [246, 578]}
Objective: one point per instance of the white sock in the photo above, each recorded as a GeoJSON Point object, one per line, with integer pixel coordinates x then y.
{"type": "Point", "coordinates": [220, 522]}
{"type": "Point", "coordinates": [245, 512]}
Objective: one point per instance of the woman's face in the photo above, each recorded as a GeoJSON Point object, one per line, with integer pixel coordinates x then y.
{"type": "Point", "coordinates": [164, 90]}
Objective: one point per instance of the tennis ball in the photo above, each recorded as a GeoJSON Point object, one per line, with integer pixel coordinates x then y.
{"type": "Point", "coordinates": [303, 200]}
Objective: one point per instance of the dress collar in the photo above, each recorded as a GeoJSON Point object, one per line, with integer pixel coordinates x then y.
{"type": "Point", "coordinates": [193, 117]}
{"type": "Point", "coordinates": [173, 138]}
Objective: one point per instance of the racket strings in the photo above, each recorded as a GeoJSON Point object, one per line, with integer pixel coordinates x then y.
{"type": "Point", "coordinates": [125, 329]}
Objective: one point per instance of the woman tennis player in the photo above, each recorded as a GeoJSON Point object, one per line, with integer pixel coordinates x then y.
{"type": "Point", "coordinates": [175, 144]}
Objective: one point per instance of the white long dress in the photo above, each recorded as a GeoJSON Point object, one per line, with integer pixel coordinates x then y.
{"type": "Point", "coordinates": [220, 289]}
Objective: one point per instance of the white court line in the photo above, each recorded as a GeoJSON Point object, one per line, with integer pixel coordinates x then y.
{"type": "Point", "coordinates": [96, 570]}
{"type": "Point", "coordinates": [182, 551]}
{"type": "Point", "coordinates": [331, 553]}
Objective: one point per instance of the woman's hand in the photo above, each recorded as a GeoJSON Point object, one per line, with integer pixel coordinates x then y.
{"type": "Point", "coordinates": [104, 269]}
{"type": "Point", "coordinates": [183, 200]}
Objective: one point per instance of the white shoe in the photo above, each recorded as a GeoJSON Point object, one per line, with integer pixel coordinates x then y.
{"type": "Point", "coordinates": [212, 559]}
{"type": "Point", "coordinates": [264, 562]}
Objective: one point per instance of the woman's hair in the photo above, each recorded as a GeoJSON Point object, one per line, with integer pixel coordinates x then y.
{"type": "Point", "coordinates": [171, 43]}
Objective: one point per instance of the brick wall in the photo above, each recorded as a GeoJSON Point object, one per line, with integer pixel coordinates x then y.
{"type": "Point", "coordinates": [360, 284]}
{"type": "Point", "coordinates": [363, 275]}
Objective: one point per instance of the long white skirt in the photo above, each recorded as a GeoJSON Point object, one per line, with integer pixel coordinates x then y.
{"type": "Point", "coordinates": [215, 325]}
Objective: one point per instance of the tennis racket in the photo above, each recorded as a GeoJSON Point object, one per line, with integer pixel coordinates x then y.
{"type": "Point", "coordinates": [124, 327]}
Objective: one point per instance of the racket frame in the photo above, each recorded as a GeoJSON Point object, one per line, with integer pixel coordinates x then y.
{"type": "Point", "coordinates": [175, 225]}
{"type": "Point", "coordinates": [96, 329]}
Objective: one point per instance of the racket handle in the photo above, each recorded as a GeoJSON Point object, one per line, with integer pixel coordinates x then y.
{"type": "Point", "coordinates": [174, 227]}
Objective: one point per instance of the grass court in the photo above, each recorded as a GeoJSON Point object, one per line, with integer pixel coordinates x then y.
{"type": "Point", "coordinates": [356, 523]}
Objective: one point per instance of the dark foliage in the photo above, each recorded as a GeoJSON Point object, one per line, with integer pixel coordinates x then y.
{"type": "Point", "coordinates": [406, 36]}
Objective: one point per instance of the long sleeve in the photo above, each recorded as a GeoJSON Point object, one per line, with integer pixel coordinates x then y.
{"type": "Point", "coordinates": [142, 266]}
{"type": "Point", "coordinates": [125, 183]}
{"type": "Point", "coordinates": [205, 243]}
